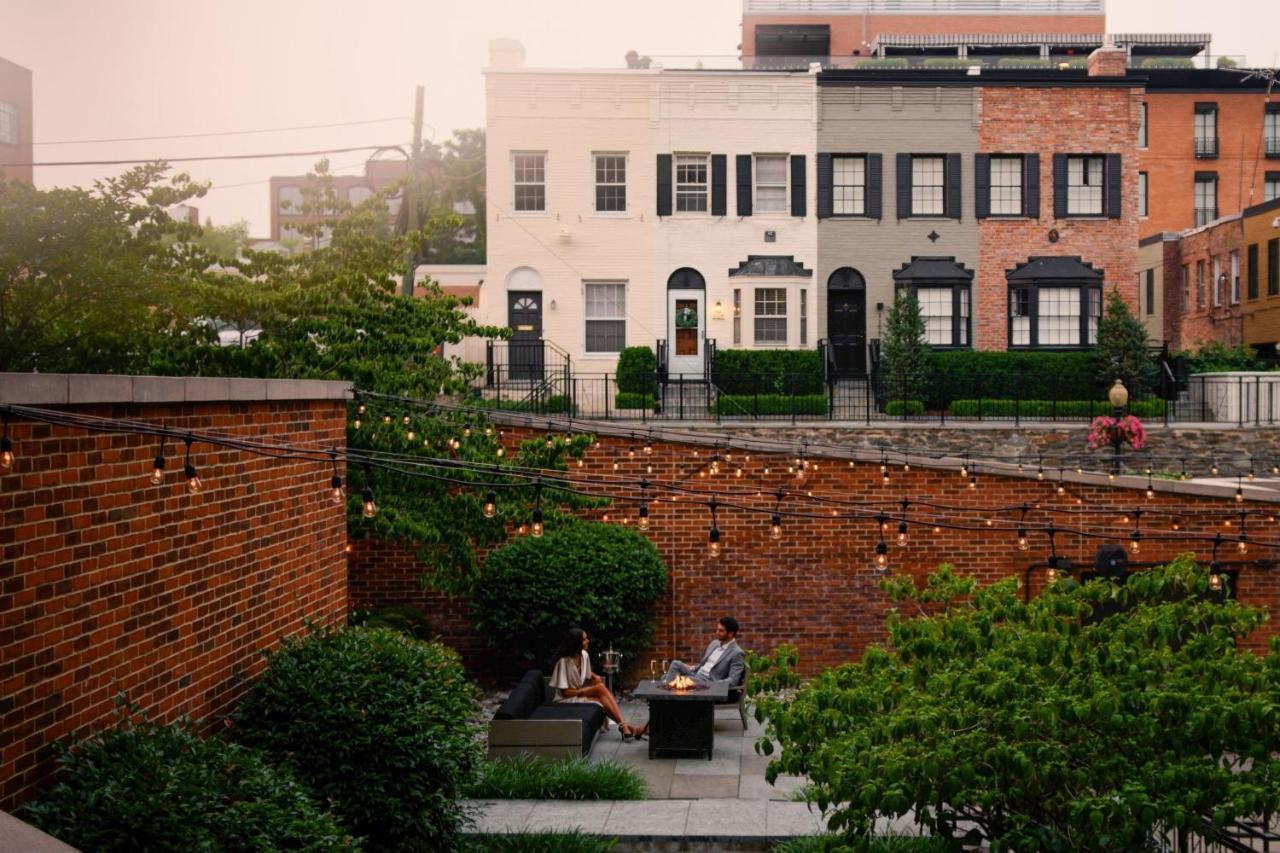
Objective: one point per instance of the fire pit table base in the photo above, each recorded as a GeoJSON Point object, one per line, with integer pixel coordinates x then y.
{"type": "Point", "coordinates": [682, 721]}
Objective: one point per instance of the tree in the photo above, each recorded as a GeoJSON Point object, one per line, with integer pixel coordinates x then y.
{"type": "Point", "coordinates": [88, 278]}
{"type": "Point", "coordinates": [450, 193]}
{"type": "Point", "coordinates": [904, 355]}
{"type": "Point", "coordinates": [224, 241]}
{"type": "Point", "coordinates": [1122, 350]}
{"type": "Point", "coordinates": [1047, 725]}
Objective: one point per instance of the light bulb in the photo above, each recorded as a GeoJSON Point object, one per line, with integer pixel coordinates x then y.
{"type": "Point", "coordinates": [6, 453]}
{"type": "Point", "coordinates": [1242, 546]}
{"type": "Point", "coordinates": [775, 527]}
{"type": "Point", "coordinates": [1135, 544]}
{"type": "Point", "coordinates": [157, 473]}
{"type": "Point", "coordinates": [360, 409]}
{"type": "Point", "coordinates": [766, 471]}
{"type": "Point", "coordinates": [615, 465]}
{"type": "Point", "coordinates": [713, 542]}
{"type": "Point", "coordinates": [466, 431]}
{"type": "Point", "coordinates": [411, 435]}
{"type": "Point", "coordinates": [1239, 495]}
{"type": "Point", "coordinates": [580, 463]}
{"type": "Point", "coordinates": [1062, 490]}
{"type": "Point", "coordinates": [648, 449]}
{"type": "Point", "coordinates": [1151, 493]}
{"type": "Point", "coordinates": [631, 452]}
{"type": "Point", "coordinates": [937, 529]}
{"type": "Point", "coordinates": [973, 482]}
{"type": "Point", "coordinates": [490, 505]}
{"type": "Point", "coordinates": [882, 555]}
{"type": "Point", "coordinates": [405, 420]}
{"type": "Point", "coordinates": [1214, 469]}
{"type": "Point", "coordinates": [1022, 539]}
{"type": "Point", "coordinates": [488, 431]}
{"type": "Point", "coordinates": [551, 442]}
{"type": "Point", "coordinates": [194, 483]}
{"type": "Point", "coordinates": [355, 424]}
{"type": "Point", "coordinates": [336, 492]}
{"type": "Point", "coordinates": [1051, 576]}
{"type": "Point", "coordinates": [906, 467]}
{"type": "Point", "coordinates": [537, 523]}
{"type": "Point", "coordinates": [643, 521]}
{"type": "Point", "coordinates": [738, 473]}
{"type": "Point", "coordinates": [386, 419]}
{"type": "Point", "coordinates": [1040, 473]}
{"type": "Point", "coordinates": [964, 471]}
{"type": "Point", "coordinates": [1215, 581]}
{"type": "Point", "coordinates": [522, 530]}
{"type": "Point", "coordinates": [370, 508]}
{"type": "Point", "coordinates": [884, 479]}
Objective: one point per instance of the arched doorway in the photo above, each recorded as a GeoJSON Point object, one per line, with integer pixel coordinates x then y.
{"type": "Point", "coordinates": [686, 322]}
{"type": "Point", "coordinates": [847, 320]}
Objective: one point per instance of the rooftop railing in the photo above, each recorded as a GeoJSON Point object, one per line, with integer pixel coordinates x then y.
{"type": "Point", "coordinates": [982, 62]}
{"type": "Point", "coordinates": [924, 7]}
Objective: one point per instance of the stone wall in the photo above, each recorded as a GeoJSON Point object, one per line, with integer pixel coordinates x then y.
{"type": "Point", "coordinates": [114, 586]}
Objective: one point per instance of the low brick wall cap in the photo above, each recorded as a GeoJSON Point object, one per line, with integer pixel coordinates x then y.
{"type": "Point", "coordinates": [60, 389]}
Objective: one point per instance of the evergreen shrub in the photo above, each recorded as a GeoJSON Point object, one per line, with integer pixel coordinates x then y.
{"type": "Point", "coordinates": [637, 372]}
{"type": "Point", "coordinates": [769, 371]}
{"type": "Point", "coordinates": [750, 405]}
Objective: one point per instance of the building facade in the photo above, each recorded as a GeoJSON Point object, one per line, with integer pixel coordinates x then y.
{"type": "Point", "coordinates": [287, 196]}
{"type": "Point", "coordinates": [15, 122]}
{"type": "Point", "coordinates": [1260, 239]}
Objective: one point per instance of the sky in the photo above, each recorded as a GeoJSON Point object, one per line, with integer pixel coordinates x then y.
{"type": "Point", "coordinates": [107, 69]}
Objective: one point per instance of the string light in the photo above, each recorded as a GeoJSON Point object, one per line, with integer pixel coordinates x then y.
{"type": "Point", "coordinates": [882, 550]}
{"type": "Point", "coordinates": [643, 513]}
{"type": "Point", "coordinates": [6, 446]}
{"type": "Point", "coordinates": [537, 509]}
{"type": "Point", "coordinates": [356, 423]}
{"type": "Point", "coordinates": [1239, 491]}
{"type": "Point", "coordinates": [648, 444]}
{"type": "Point", "coordinates": [157, 469]}
{"type": "Point", "coordinates": [775, 523]}
{"type": "Point", "coordinates": [194, 483]}
{"type": "Point", "coordinates": [1182, 474]}
{"type": "Point", "coordinates": [369, 509]}
{"type": "Point", "coordinates": [1242, 543]}
{"type": "Point", "coordinates": [411, 435]}
{"type": "Point", "coordinates": [1213, 469]}
{"type": "Point", "coordinates": [386, 419]}
{"type": "Point", "coordinates": [337, 493]}
{"type": "Point", "coordinates": [964, 467]}
{"type": "Point", "coordinates": [1151, 492]}
{"type": "Point", "coordinates": [490, 504]}
{"type": "Point", "coordinates": [1062, 488]}
{"type": "Point", "coordinates": [713, 537]}
{"type": "Point", "coordinates": [1040, 468]}
{"type": "Point", "coordinates": [1215, 579]}
{"type": "Point", "coordinates": [1135, 538]}
{"type": "Point", "coordinates": [902, 524]}
{"type": "Point", "coordinates": [360, 408]}
{"type": "Point", "coordinates": [466, 430]}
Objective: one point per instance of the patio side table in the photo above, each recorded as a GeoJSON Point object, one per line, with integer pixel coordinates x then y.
{"type": "Point", "coordinates": [682, 721]}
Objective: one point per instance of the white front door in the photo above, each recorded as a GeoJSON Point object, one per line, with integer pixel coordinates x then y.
{"type": "Point", "coordinates": [686, 322]}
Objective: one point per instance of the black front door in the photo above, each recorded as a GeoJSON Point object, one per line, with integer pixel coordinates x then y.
{"type": "Point", "coordinates": [524, 315]}
{"type": "Point", "coordinates": [847, 328]}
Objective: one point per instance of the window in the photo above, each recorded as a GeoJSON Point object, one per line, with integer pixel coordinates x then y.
{"type": "Point", "coordinates": [771, 315]}
{"type": "Point", "coordinates": [849, 186]}
{"type": "Point", "coordinates": [928, 186]}
{"type": "Point", "coordinates": [1142, 125]}
{"type": "Point", "coordinates": [1142, 193]}
{"type": "Point", "coordinates": [1151, 291]}
{"type": "Point", "coordinates": [737, 316]}
{"type": "Point", "coordinates": [1020, 317]}
{"type": "Point", "coordinates": [1215, 283]}
{"type": "Point", "coordinates": [1235, 278]}
{"type": "Point", "coordinates": [1253, 270]}
{"type": "Point", "coordinates": [804, 318]}
{"type": "Point", "coordinates": [1273, 267]}
{"type": "Point", "coordinates": [1059, 316]}
{"type": "Point", "coordinates": [1199, 284]}
{"type": "Point", "coordinates": [1271, 187]}
{"type": "Point", "coordinates": [691, 183]}
{"type": "Point", "coordinates": [8, 124]}
{"type": "Point", "coordinates": [1054, 315]}
{"type": "Point", "coordinates": [1206, 130]}
{"type": "Point", "coordinates": [606, 313]}
{"type": "Point", "coordinates": [290, 200]}
{"type": "Point", "coordinates": [1084, 186]}
{"type": "Point", "coordinates": [1186, 287]}
{"type": "Point", "coordinates": [1271, 130]}
{"type": "Point", "coordinates": [530, 182]}
{"type": "Point", "coordinates": [945, 311]}
{"type": "Point", "coordinates": [611, 183]}
{"type": "Point", "coordinates": [771, 183]}
{"type": "Point", "coordinates": [1206, 197]}
{"type": "Point", "coordinates": [1006, 186]}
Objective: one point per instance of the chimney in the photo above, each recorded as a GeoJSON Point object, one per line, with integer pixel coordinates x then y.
{"type": "Point", "coordinates": [506, 53]}
{"type": "Point", "coordinates": [1108, 61]}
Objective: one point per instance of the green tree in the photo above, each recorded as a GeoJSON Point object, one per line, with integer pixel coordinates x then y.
{"type": "Point", "coordinates": [904, 355]}
{"type": "Point", "coordinates": [223, 241]}
{"type": "Point", "coordinates": [88, 278]}
{"type": "Point", "coordinates": [1047, 725]}
{"type": "Point", "coordinates": [450, 192]}
{"type": "Point", "coordinates": [1122, 350]}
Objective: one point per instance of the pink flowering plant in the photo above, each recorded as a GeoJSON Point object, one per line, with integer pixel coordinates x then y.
{"type": "Point", "coordinates": [1104, 430]}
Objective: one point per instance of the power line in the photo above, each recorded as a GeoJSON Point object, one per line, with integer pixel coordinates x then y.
{"type": "Point", "coordinates": [204, 158]}
{"type": "Point", "coordinates": [222, 132]}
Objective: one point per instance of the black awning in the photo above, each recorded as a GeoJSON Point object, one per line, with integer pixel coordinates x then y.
{"type": "Point", "coordinates": [1055, 268]}
{"type": "Point", "coordinates": [943, 270]}
{"type": "Point", "coordinates": [793, 40]}
{"type": "Point", "coordinates": [781, 266]}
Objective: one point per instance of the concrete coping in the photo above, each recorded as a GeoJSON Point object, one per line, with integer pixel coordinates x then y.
{"type": "Point", "coordinates": [68, 389]}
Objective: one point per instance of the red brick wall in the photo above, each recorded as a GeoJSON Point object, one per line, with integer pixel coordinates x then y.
{"type": "Point", "coordinates": [1224, 322]}
{"type": "Point", "coordinates": [113, 585]}
{"type": "Point", "coordinates": [816, 588]}
{"type": "Point", "coordinates": [1021, 120]}
{"type": "Point", "coordinates": [15, 89]}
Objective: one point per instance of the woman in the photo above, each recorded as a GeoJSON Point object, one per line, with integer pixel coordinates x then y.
{"type": "Point", "coordinates": [573, 681]}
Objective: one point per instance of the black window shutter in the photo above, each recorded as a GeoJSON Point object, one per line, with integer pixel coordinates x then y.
{"type": "Point", "coordinates": [875, 186]}
{"type": "Point", "coordinates": [1059, 186]}
{"type": "Point", "coordinates": [719, 192]}
{"type": "Point", "coordinates": [799, 194]}
{"type": "Point", "coordinates": [664, 184]}
{"type": "Point", "coordinates": [1253, 270]}
{"type": "Point", "coordinates": [952, 177]}
{"type": "Point", "coordinates": [744, 184]}
{"type": "Point", "coordinates": [904, 186]}
{"type": "Point", "coordinates": [982, 185]}
{"type": "Point", "coordinates": [1273, 267]}
{"type": "Point", "coordinates": [1031, 190]}
{"type": "Point", "coordinates": [826, 178]}
{"type": "Point", "coordinates": [1115, 174]}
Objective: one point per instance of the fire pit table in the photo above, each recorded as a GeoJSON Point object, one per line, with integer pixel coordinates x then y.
{"type": "Point", "coordinates": [682, 721]}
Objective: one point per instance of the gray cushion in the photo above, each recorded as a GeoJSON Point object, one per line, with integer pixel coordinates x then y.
{"type": "Point", "coordinates": [591, 715]}
{"type": "Point", "coordinates": [524, 699]}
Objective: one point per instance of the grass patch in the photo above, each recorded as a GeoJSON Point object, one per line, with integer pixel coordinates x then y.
{"type": "Point", "coordinates": [527, 778]}
{"type": "Point", "coordinates": [539, 842]}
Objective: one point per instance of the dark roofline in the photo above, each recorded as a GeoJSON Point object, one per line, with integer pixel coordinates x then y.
{"type": "Point", "coordinates": [1050, 78]}
{"type": "Point", "coordinates": [1200, 80]}
{"type": "Point", "coordinates": [1265, 207]}
{"type": "Point", "coordinates": [1158, 237]}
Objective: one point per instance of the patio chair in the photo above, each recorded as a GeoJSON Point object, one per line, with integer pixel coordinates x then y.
{"type": "Point", "coordinates": [738, 696]}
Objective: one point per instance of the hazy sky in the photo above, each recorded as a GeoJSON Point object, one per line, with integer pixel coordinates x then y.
{"type": "Point", "coordinates": [106, 69]}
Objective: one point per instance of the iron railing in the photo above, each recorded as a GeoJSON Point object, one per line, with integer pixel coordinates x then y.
{"type": "Point", "coordinates": [922, 7]}
{"type": "Point", "coordinates": [1206, 147]}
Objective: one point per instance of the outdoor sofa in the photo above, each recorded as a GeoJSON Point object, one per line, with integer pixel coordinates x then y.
{"type": "Point", "coordinates": [529, 723]}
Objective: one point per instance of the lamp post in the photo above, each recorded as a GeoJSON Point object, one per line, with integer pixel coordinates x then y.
{"type": "Point", "coordinates": [1118, 396]}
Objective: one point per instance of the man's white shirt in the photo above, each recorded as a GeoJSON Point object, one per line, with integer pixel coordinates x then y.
{"type": "Point", "coordinates": [705, 669]}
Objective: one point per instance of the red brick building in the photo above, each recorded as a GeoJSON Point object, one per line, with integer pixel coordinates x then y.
{"type": "Point", "coordinates": [15, 122]}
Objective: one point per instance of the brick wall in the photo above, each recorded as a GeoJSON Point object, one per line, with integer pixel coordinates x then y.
{"type": "Point", "coordinates": [1087, 120]}
{"type": "Point", "coordinates": [1202, 322]}
{"type": "Point", "coordinates": [816, 587]}
{"type": "Point", "coordinates": [112, 585]}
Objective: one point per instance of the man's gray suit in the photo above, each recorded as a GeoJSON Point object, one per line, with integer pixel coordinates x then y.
{"type": "Point", "coordinates": [730, 667]}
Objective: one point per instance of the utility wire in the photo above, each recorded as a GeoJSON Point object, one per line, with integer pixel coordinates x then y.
{"type": "Point", "coordinates": [222, 132]}
{"type": "Point", "coordinates": [126, 162]}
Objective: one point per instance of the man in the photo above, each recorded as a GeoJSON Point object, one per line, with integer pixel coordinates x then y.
{"type": "Point", "coordinates": [723, 660]}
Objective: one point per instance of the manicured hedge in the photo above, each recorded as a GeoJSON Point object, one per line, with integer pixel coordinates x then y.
{"type": "Point", "coordinates": [633, 400]}
{"type": "Point", "coordinates": [748, 405]}
{"type": "Point", "coordinates": [556, 404]}
{"type": "Point", "coordinates": [893, 408]}
{"type": "Point", "coordinates": [884, 62]}
{"type": "Point", "coordinates": [995, 408]}
{"type": "Point", "coordinates": [1023, 62]}
{"type": "Point", "coordinates": [637, 371]}
{"type": "Point", "coordinates": [1032, 375]}
{"type": "Point", "coordinates": [950, 62]}
{"type": "Point", "coordinates": [770, 371]}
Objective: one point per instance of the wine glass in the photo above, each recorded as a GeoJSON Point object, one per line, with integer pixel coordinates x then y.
{"type": "Point", "coordinates": [653, 668]}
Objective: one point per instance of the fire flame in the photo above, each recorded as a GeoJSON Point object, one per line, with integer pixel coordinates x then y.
{"type": "Point", "coordinates": [682, 682]}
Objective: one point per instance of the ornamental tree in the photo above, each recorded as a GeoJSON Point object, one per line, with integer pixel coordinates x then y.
{"type": "Point", "coordinates": [904, 355]}
{"type": "Point", "coordinates": [1040, 726]}
{"type": "Point", "coordinates": [1122, 350]}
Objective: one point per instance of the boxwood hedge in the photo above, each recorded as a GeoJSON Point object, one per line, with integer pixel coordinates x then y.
{"type": "Point", "coordinates": [769, 371]}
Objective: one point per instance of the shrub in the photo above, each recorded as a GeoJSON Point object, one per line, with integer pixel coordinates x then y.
{"type": "Point", "coordinates": [1023, 62]}
{"type": "Point", "coordinates": [885, 844]}
{"type": "Point", "coordinates": [1227, 62]}
{"type": "Point", "coordinates": [1168, 62]}
{"type": "Point", "coordinates": [524, 777]}
{"type": "Point", "coordinates": [598, 577]}
{"type": "Point", "coordinates": [633, 400]}
{"type": "Point", "coordinates": [374, 722]}
{"type": "Point", "coordinates": [637, 371]}
{"type": "Point", "coordinates": [883, 62]}
{"type": "Point", "coordinates": [153, 787]}
{"type": "Point", "coordinates": [405, 618]}
{"type": "Point", "coordinates": [751, 405]}
{"type": "Point", "coordinates": [894, 408]}
{"type": "Point", "coordinates": [1033, 375]}
{"type": "Point", "coordinates": [904, 355]}
{"type": "Point", "coordinates": [540, 842]}
{"type": "Point", "coordinates": [554, 404]}
{"type": "Point", "coordinates": [1217, 357]}
{"type": "Point", "coordinates": [1150, 408]}
{"type": "Point", "coordinates": [950, 62]}
{"type": "Point", "coordinates": [1122, 349]}
{"type": "Point", "coordinates": [768, 371]}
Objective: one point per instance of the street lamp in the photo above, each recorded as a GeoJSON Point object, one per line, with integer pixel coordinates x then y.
{"type": "Point", "coordinates": [1118, 396]}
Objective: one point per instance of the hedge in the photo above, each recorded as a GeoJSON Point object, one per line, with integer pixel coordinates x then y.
{"type": "Point", "coordinates": [998, 408]}
{"type": "Point", "coordinates": [769, 371]}
{"type": "Point", "coordinates": [980, 373]}
{"type": "Point", "coordinates": [554, 404]}
{"type": "Point", "coordinates": [637, 371]}
{"type": "Point", "coordinates": [893, 408]}
{"type": "Point", "coordinates": [748, 405]}
{"type": "Point", "coordinates": [633, 400]}
{"type": "Point", "coordinates": [884, 62]}
{"type": "Point", "coordinates": [950, 62]}
{"type": "Point", "coordinates": [1023, 62]}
